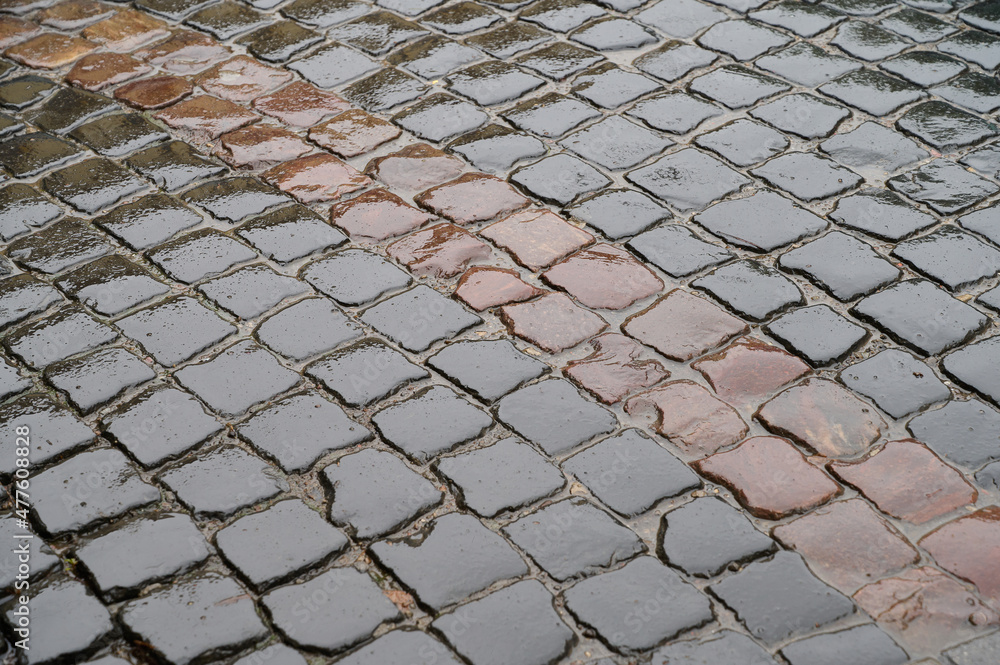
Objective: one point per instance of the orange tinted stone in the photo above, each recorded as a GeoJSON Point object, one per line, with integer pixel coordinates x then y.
{"type": "Point", "coordinates": [847, 544]}
{"type": "Point", "coordinates": [353, 133]}
{"type": "Point", "coordinates": [50, 51]}
{"type": "Point", "coordinates": [241, 79]}
{"type": "Point", "coordinates": [319, 177]}
{"type": "Point", "coordinates": [604, 276]}
{"type": "Point", "coordinates": [186, 52]}
{"type": "Point", "coordinates": [416, 166]}
{"type": "Point", "coordinates": [300, 104]}
{"type": "Point", "coordinates": [969, 547]}
{"type": "Point", "coordinates": [824, 417]}
{"type": "Point", "coordinates": [690, 417]}
{"type": "Point", "coordinates": [14, 30]}
{"type": "Point", "coordinates": [260, 146]}
{"type": "Point", "coordinates": [537, 238]}
{"type": "Point", "coordinates": [769, 477]}
{"type": "Point", "coordinates": [74, 14]}
{"type": "Point", "coordinates": [749, 370]}
{"type": "Point", "coordinates": [482, 288]}
{"type": "Point", "coordinates": [441, 251]}
{"type": "Point", "coordinates": [99, 70]}
{"type": "Point", "coordinates": [682, 326]}
{"type": "Point", "coordinates": [906, 480]}
{"type": "Point", "coordinates": [926, 609]}
{"type": "Point", "coordinates": [204, 118]}
{"type": "Point", "coordinates": [154, 93]}
{"type": "Point", "coordinates": [126, 30]}
{"type": "Point", "coordinates": [552, 322]}
{"type": "Point", "coordinates": [377, 215]}
{"type": "Point", "coordinates": [473, 197]}
{"type": "Point", "coordinates": [615, 368]}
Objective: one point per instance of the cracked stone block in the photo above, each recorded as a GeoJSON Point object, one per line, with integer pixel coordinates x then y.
{"type": "Point", "coordinates": [818, 334]}
{"type": "Point", "coordinates": [93, 380]}
{"type": "Point", "coordinates": [418, 318]}
{"type": "Point", "coordinates": [615, 368]}
{"type": "Point", "coordinates": [66, 332]}
{"type": "Point", "coordinates": [487, 369]}
{"type": "Point", "coordinates": [173, 165]}
{"type": "Point", "coordinates": [964, 432]}
{"type": "Point", "coordinates": [962, 548]}
{"type": "Point", "coordinates": [866, 645]}
{"type": "Point", "coordinates": [897, 382]}
{"type": "Point", "coordinates": [440, 117]}
{"type": "Point", "coordinates": [165, 330]}
{"type": "Point", "coordinates": [497, 149]}
{"type": "Point", "coordinates": [444, 250]}
{"type": "Point", "coordinates": [307, 328]}
{"type": "Point", "coordinates": [354, 277]}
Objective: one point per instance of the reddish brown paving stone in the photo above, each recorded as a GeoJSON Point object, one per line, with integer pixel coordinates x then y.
{"type": "Point", "coordinates": [127, 30]}
{"type": "Point", "coordinates": [14, 30]}
{"type": "Point", "coordinates": [682, 326]}
{"type": "Point", "coordinates": [926, 609]}
{"type": "Point", "coordinates": [482, 288]}
{"type": "Point", "coordinates": [416, 166]}
{"type": "Point", "coordinates": [74, 14]}
{"type": "Point", "coordinates": [241, 79]}
{"type": "Point", "coordinates": [204, 118]}
{"type": "Point", "coordinates": [50, 51]}
{"type": "Point", "coordinates": [604, 277]}
{"type": "Point", "coordinates": [906, 480]}
{"type": "Point", "coordinates": [749, 370]}
{"type": "Point", "coordinates": [353, 133]}
{"type": "Point", "coordinates": [154, 93]}
{"type": "Point", "coordinates": [536, 238]}
{"type": "Point", "coordinates": [99, 70]}
{"type": "Point", "coordinates": [847, 544]}
{"type": "Point", "coordinates": [824, 417]}
{"type": "Point", "coordinates": [615, 368]}
{"type": "Point", "coordinates": [186, 52]}
{"type": "Point", "coordinates": [769, 477]}
{"type": "Point", "coordinates": [969, 547]}
{"type": "Point", "coordinates": [377, 215]}
{"type": "Point", "coordinates": [300, 104]}
{"type": "Point", "coordinates": [553, 322]}
{"type": "Point", "coordinates": [473, 197]}
{"type": "Point", "coordinates": [690, 416]}
{"type": "Point", "coordinates": [314, 178]}
{"type": "Point", "coordinates": [441, 251]}
{"type": "Point", "coordinates": [261, 146]}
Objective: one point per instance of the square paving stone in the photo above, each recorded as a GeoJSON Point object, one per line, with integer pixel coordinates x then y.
{"type": "Point", "coordinates": [92, 380]}
{"type": "Point", "coordinates": [688, 179]}
{"type": "Point", "coordinates": [841, 264]}
{"type": "Point", "coordinates": [780, 598]}
{"type": "Point", "coordinates": [374, 493]}
{"type": "Point", "coordinates": [148, 221]}
{"type": "Point", "coordinates": [881, 214]}
{"type": "Point", "coordinates": [683, 18]}
{"type": "Point", "coordinates": [559, 60]}
{"type": "Point", "coordinates": [803, 19]}
{"type": "Point", "coordinates": [280, 41]}
{"type": "Point", "coordinates": [944, 186]}
{"type": "Point", "coordinates": [615, 143]}
{"type": "Point", "coordinates": [607, 604]}
{"type": "Point", "coordinates": [682, 326]}
{"type": "Point", "coordinates": [674, 112]}
{"type": "Point", "coordinates": [440, 117]}
{"type": "Point", "coordinates": [807, 176]}
{"type": "Point", "coordinates": [55, 430]}
{"type": "Point", "coordinates": [276, 544]}
{"type": "Point", "coordinates": [872, 92]}
{"type": "Point", "coordinates": [21, 207]}
{"type": "Point", "coordinates": [610, 87]}
{"type": "Point", "coordinates": [487, 369]}
{"type": "Point", "coordinates": [226, 20]}
{"type": "Point", "coordinates": [290, 233]}
{"type": "Point", "coordinates": [918, 26]}
{"type": "Point", "coordinates": [434, 57]}
{"type": "Point", "coordinates": [433, 421]}
{"type": "Point", "coordinates": [199, 254]}
{"type": "Point", "coordinates": [206, 616]}
{"type": "Point", "coordinates": [762, 222]}
{"type": "Point", "coordinates": [751, 289]}
{"type": "Point", "coordinates": [873, 146]}
{"type": "Point", "coordinates": [867, 41]}
{"type": "Point", "coordinates": [69, 108]}
{"type": "Point", "coordinates": [818, 334]}
{"type": "Point", "coordinates": [93, 184]}
{"type": "Point", "coordinates": [324, 13]}
{"type": "Point", "coordinates": [235, 199]}
{"type": "Point", "coordinates": [864, 645]}
{"type": "Point", "coordinates": [59, 246]}
{"type": "Point", "coordinates": [618, 213]}
{"type": "Point", "coordinates": [985, 160]}
{"type": "Point", "coordinates": [124, 559]}
{"type": "Point", "coordinates": [162, 423]}
{"type": "Point", "coordinates": [219, 482]}
{"type": "Point", "coordinates": [974, 46]}
{"type": "Point", "coordinates": [30, 154]}
{"type": "Point", "coordinates": [252, 290]}
{"type": "Point", "coordinates": [630, 472]}
{"type": "Point", "coordinates": [175, 330]}
{"type": "Point", "coordinates": [493, 83]}
{"type": "Point", "coordinates": [922, 316]}
{"type": "Point", "coordinates": [333, 65]}
{"type": "Point", "coordinates": [298, 430]}
{"type": "Point", "coordinates": [561, 16]}
{"type": "Point", "coordinates": [452, 558]}
{"type": "Point", "coordinates": [743, 142]}
{"type": "Point", "coordinates": [743, 40]}
{"type": "Point", "coordinates": [11, 381]}
{"type": "Point", "coordinates": [706, 536]}
{"type": "Point", "coordinates": [509, 39]}
{"type": "Point", "coordinates": [66, 332]}
{"type": "Point", "coordinates": [495, 149]}
{"type": "Point", "coordinates": [572, 538]}
{"type": "Point", "coordinates": [418, 318]}
{"type": "Point", "coordinates": [991, 299]}
{"type": "Point", "coordinates": [896, 381]}
{"type": "Point", "coordinates": [504, 476]}
{"type": "Point", "coordinates": [963, 432]}
{"type": "Point", "coordinates": [41, 557]}
{"type": "Point", "coordinates": [354, 277]}
{"type": "Point", "coordinates": [384, 90]}
{"type": "Point", "coordinates": [365, 372]}
{"type": "Point", "coordinates": [23, 91]}
{"type": "Point", "coordinates": [174, 165]}
{"type": "Point", "coordinates": [950, 256]}
{"type": "Point", "coordinates": [737, 87]}
{"type": "Point", "coordinates": [553, 415]}
{"type": "Point", "coordinates": [118, 135]}
{"type": "Point", "coordinates": [977, 367]}
{"type": "Point", "coordinates": [677, 251]}
{"type": "Point", "coordinates": [925, 68]}
{"type": "Point", "coordinates": [395, 646]}
{"type": "Point", "coordinates": [944, 126]}
{"type": "Point", "coordinates": [716, 647]}
{"type": "Point", "coordinates": [377, 33]}
{"type": "Point", "coordinates": [307, 328]}
{"type": "Point", "coordinates": [354, 609]}
{"type": "Point", "coordinates": [90, 488]}
{"type": "Point", "coordinates": [559, 179]}
{"type": "Point", "coordinates": [805, 63]}
{"type": "Point", "coordinates": [112, 284]}
{"type": "Point", "coordinates": [985, 222]}
{"type": "Point", "coordinates": [803, 115]}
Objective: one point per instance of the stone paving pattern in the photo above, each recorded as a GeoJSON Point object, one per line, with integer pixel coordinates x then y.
{"type": "Point", "coordinates": [435, 331]}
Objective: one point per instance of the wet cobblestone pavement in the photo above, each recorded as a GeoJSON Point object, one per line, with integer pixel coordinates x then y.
{"type": "Point", "coordinates": [435, 331]}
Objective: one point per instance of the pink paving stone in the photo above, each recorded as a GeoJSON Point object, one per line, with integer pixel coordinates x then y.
{"type": "Point", "coordinates": [377, 215]}
{"type": "Point", "coordinates": [824, 417]}
{"type": "Point", "coordinates": [261, 146]}
{"type": "Point", "coordinates": [682, 326]}
{"type": "Point", "coordinates": [690, 416]}
{"type": "Point", "coordinates": [205, 118]}
{"type": "Point", "coordinates": [315, 178]}
{"type": "Point", "coordinates": [906, 480]}
{"type": "Point", "coordinates": [154, 93]}
{"type": "Point", "coordinates": [50, 51]}
{"type": "Point", "coordinates": [440, 251]}
{"type": "Point", "coordinates": [769, 477]}
{"type": "Point", "coordinates": [186, 52]}
{"type": "Point", "coordinates": [482, 288]}
{"type": "Point", "coordinates": [926, 610]}
{"type": "Point", "coordinates": [969, 547]}
{"type": "Point", "coordinates": [14, 30]}
{"type": "Point", "coordinates": [536, 238]}
{"type": "Point", "coordinates": [353, 133]}
{"type": "Point", "coordinates": [615, 368]}
{"type": "Point", "coordinates": [748, 371]}
{"type": "Point", "coordinates": [99, 70]}
{"type": "Point", "coordinates": [604, 277]}
{"type": "Point", "coordinates": [74, 14]}
{"type": "Point", "coordinates": [241, 79]}
{"type": "Point", "coordinates": [300, 104]}
{"type": "Point", "coordinates": [416, 166]}
{"type": "Point", "coordinates": [847, 544]}
{"type": "Point", "coordinates": [473, 197]}
{"type": "Point", "coordinates": [552, 322]}
{"type": "Point", "coordinates": [127, 30]}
